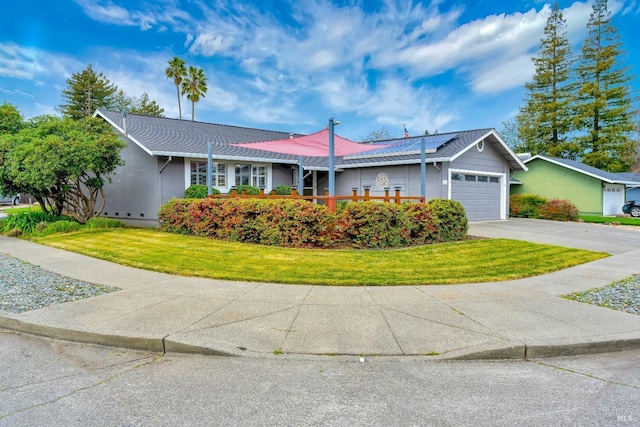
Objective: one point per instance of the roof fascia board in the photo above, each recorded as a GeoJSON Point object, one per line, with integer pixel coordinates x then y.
{"type": "Point", "coordinates": [129, 137]}
{"type": "Point", "coordinates": [393, 163]}
{"type": "Point", "coordinates": [393, 154]}
{"type": "Point", "coordinates": [224, 157]}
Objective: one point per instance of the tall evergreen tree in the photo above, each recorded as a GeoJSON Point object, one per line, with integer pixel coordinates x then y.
{"type": "Point", "coordinates": [195, 86]}
{"type": "Point", "coordinates": [146, 106]}
{"type": "Point", "coordinates": [177, 71]}
{"type": "Point", "coordinates": [121, 102]}
{"type": "Point", "coordinates": [544, 122]}
{"type": "Point", "coordinates": [603, 114]}
{"type": "Point", "coordinates": [87, 91]}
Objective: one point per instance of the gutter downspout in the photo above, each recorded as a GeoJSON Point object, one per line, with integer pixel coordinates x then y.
{"type": "Point", "coordinates": [160, 178]}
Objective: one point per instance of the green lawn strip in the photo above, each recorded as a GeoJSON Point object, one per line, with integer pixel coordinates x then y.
{"type": "Point", "coordinates": [608, 220]}
{"type": "Point", "coordinates": [448, 263]}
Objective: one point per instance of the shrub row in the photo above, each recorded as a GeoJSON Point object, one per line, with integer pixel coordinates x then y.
{"type": "Point", "coordinates": [298, 223]}
{"type": "Point", "coordinates": [42, 224]}
{"type": "Point", "coordinates": [534, 206]}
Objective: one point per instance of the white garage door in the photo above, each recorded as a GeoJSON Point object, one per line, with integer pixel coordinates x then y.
{"type": "Point", "coordinates": [479, 194]}
{"type": "Point", "coordinates": [613, 199]}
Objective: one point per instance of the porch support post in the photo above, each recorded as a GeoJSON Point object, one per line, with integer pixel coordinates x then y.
{"type": "Point", "coordinates": [209, 168]}
{"type": "Point", "coordinates": [332, 167]}
{"type": "Point", "coordinates": [423, 170]}
{"type": "Point", "coordinates": [300, 176]}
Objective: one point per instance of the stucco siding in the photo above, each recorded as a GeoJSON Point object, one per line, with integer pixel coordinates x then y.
{"type": "Point", "coordinates": [487, 160]}
{"type": "Point", "coordinates": [407, 177]}
{"type": "Point", "coordinates": [134, 190]}
{"type": "Point", "coordinates": [282, 175]}
{"type": "Point", "coordinates": [556, 182]}
{"type": "Point", "coordinates": [172, 183]}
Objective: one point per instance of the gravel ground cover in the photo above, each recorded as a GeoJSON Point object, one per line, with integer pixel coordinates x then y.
{"type": "Point", "coordinates": [25, 287]}
{"type": "Point", "coordinates": [623, 295]}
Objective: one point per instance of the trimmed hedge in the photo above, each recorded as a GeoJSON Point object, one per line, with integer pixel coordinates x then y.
{"type": "Point", "coordinates": [558, 210]}
{"type": "Point", "coordinates": [287, 223]}
{"type": "Point", "coordinates": [525, 205]}
{"type": "Point", "coordinates": [199, 191]}
{"type": "Point", "coordinates": [298, 223]}
{"type": "Point", "coordinates": [423, 226]}
{"type": "Point", "coordinates": [249, 189]}
{"type": "Point", "coordinates": [283, 190]}
{"type": "Point", "coordinates": [538, 207]}
{"type": "Point", "coordinates": [375, 225]}
{"type": "Point", "coordinates": [451, 219]}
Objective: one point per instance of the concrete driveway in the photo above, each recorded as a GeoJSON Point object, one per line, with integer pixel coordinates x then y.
{"type": "Point", "coordinates": [594, 237]}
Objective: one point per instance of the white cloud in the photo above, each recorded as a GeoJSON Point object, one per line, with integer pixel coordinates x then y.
{"type": "Point", "coordinates": [381, 65]}
{"type": "Point", "coordinates": [108, 12]}
{"type": "Point", "coordinates": [496, 77]}
{"type": "Point", "coordinates": [28, 63]}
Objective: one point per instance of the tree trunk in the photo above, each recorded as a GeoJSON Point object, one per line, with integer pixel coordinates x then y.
{"type": "Point", "coordinates": [179, 106]}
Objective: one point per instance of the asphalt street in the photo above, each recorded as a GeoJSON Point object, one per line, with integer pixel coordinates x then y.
{"type": "Point", "coordinates": [58, 383]}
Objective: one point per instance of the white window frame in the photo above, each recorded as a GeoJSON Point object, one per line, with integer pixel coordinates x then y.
{"type": "Point", "coordinates": [216, 175]}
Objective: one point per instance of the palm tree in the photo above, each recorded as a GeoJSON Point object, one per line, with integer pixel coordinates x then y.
{"type": "Point", "coordinates": [195, 86]}
{"type": "Point", "coordinates": [176, 71]}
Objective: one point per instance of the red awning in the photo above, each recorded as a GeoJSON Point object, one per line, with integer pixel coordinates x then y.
{"type": "Point", "coordinates": [315, 145]}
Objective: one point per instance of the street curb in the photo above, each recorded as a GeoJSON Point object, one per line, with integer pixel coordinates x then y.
{"type": "Point", "coordinates": [130, 342]}
{"type": "Point", "coordinates": [165, 345]}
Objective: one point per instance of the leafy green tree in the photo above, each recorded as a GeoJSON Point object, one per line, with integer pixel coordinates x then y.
{"type": "Point", "coordinates": [62, 162]}
{"type": "Point", "coordinates": [603, 113]}
{"type": "Point", "coordinates": [177, 71]}
{"type": "Point", "coordinates": [87, 91]}
{"type": "Point", "coordinates": [11, 121]}
{"type": "Point", "coordinates": [146, 106]}
{"type": "Point", "coordinates": [195, 86]}
{"type": "Point", "coordinates": [544, 123]}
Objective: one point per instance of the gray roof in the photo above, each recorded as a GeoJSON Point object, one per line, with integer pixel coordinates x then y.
{"type": "Point", "coordinates": [457, 144]}
{"type": "Point", "coordinates": [161, 136]}
{"type": "Point", "coordinates": [609, 177]}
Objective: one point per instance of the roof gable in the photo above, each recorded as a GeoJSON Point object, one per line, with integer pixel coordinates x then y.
{"type": "Point", "coordinates": [608, 177]}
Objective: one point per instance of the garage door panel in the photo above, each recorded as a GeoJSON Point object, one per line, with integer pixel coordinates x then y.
{"type": "Point", "coordinates": [481, 200]}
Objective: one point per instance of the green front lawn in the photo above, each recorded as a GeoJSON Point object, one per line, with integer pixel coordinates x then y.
{"type": "Point", "coordinates": [447, 263]}
{"type": "Point", "coordinates": [610, 219]}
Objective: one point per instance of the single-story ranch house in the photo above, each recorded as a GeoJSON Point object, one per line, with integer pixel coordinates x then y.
{"type": "Point", "coordinates": [164, 156]}
{"type": "Point", "coordinates": [592, 190]}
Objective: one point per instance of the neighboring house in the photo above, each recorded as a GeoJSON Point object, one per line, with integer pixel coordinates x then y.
{"type": "Point", "coordinates": [633, 190]}
{"type": "Point", "coordinates": [592, 190]}
{"type": "Point", "coordinates": [164, 156]}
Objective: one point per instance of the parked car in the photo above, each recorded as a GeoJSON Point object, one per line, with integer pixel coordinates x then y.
{"type": "Point", "coordinates": [632, 208]}
{"type": "Point", "coordinates": [13, 200]}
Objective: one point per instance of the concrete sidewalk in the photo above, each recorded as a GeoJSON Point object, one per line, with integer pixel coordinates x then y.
{"type": "Point", "coordinates": [164, 313]}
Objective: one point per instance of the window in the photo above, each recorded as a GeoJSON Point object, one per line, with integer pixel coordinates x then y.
{"type": "Point", "coordinates": [199, 173]}
{"type": "Point", "coordinates": [259, 176]}
{"type": "Point", "coordinates": [243, 174]}
{"type": "Point", "coordinates": [494, 179]}
{"type": "Point", "coordinates": [456, 177]}
{"type": "Point", "coordinates": [218, 176]}
{"type": "Point", "coordinates": [470, 178]}
{"type": "Point", "coordinates": [483, 178]}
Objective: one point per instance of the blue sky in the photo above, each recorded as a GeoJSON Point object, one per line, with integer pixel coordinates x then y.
{"type": "Point", "coordinates": [290, 65]}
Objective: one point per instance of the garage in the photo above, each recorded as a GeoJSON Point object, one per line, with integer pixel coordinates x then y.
{"type": "Point", "coordinates": [612, 199]}
{"type": "Point", "coordinates": [479, 194]}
